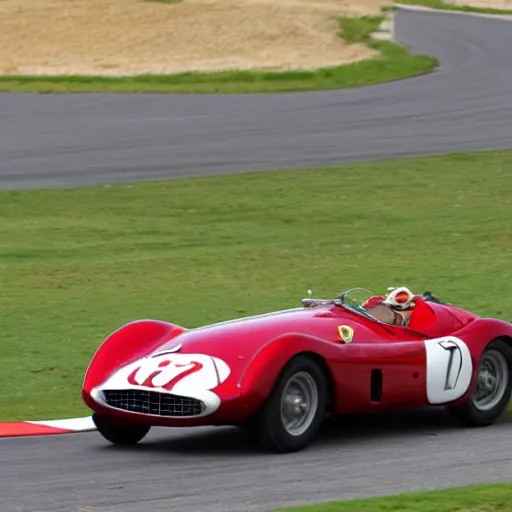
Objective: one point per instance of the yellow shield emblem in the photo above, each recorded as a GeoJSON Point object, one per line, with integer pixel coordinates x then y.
{"type": "Point", "coordinates": [346, 333]}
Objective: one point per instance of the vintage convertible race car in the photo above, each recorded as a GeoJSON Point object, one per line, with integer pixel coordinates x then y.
{"type": "Point", "coordinates": [281, 374]}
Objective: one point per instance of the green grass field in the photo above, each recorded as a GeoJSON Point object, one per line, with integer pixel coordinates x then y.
{"type": "Point", "coordinates": [77, 264]}
{"type": "Point", "coordinates": [477, 498]}
{"type": "Point", "coordinates": [439, 4]}
{"type": "Point", "coordinates": [394, 62]}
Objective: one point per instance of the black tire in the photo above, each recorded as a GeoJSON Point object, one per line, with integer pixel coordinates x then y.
{"type": "Point", "coordinates": [115, 433]}
{"type": "Point", "coordinates": [271, 430]}
{"type": "Point", "coordinates": [472, 414]}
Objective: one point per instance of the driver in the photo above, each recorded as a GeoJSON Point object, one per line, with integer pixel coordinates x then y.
{"type": "Point", "coordinates": [394, 308]}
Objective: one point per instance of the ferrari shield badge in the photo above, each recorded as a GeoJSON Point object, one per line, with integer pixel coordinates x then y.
{"type": "Point", "coordinates": [346, 333]}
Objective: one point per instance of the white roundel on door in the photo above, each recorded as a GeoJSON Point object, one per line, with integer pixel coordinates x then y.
{"type": "Point", "coordinates": [449, 369]}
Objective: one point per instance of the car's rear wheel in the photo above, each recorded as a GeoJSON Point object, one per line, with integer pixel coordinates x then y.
{"type": "Point", "coordinates": [493, 387]}
{"type": "Point", "coordinates": [126, 434]}
{"type": "Point", "coordinates": [296, 407]}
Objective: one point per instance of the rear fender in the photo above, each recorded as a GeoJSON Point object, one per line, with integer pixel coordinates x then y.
{"type": "Point", "coordinates": [266, 365]}
{"type": "Point", "coordinates": [131, 342]}
{"type": "Point", "coordinates": [479, 333]}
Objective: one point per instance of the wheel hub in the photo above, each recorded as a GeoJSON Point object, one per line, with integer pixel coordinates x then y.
{"type": "Point", "coordinates": [487, 381]}
{"type": "Point", "coordinates": [299, 403]}
{"type": "Point", "coordinates": [493, 376]}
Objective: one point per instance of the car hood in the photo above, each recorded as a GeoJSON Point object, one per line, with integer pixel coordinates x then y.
{"type": "Point", "coordinates": [236, 341]}
{"type": "Point", "coordinates": [247, 334]}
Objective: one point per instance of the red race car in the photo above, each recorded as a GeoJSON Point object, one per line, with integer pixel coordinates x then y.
{"type": "Point", "coordinates": [281, 374]}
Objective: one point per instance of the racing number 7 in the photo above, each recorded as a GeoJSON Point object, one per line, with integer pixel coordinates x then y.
{"type": "Point", "coordinates": [449, 369]}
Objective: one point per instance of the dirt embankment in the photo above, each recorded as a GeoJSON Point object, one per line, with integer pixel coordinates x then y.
{"type": "Point", "coordinates": [126, 37]}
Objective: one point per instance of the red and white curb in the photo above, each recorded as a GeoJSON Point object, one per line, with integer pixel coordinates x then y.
{"type": "Point", "coordinates": [49, 427]}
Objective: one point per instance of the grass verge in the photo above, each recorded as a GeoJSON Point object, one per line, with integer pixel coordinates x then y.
{"type": "Point", "coordinates": [475, 498]}
{"type": "Point", "coordinates": [393, 62]}
{"type": "Point", "coordinates": [439, 4]}
{"type": "Point", "coordinates": [77, 264]}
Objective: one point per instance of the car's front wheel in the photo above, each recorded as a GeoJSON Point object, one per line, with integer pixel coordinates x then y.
{"type": "Point", "coordinates": [296, 407]}
{"type": "Point", "coordinates": [115, 433]}
{"type": "Point", "coordinates": [493, 387]}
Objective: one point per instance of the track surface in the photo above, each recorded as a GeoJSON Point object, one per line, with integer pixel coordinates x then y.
{"type": "Point", "coordinates": [218, 470]}
{"type": "Point", "coordinates": [70, 140]}
{"type": "Point", "coordinates": [89, 139]}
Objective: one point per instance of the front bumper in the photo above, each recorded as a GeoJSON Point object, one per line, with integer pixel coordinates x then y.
{"type": "Point", "coordinates": [167, 411]}
{"type": "Point", "coordinates": [158, 403]}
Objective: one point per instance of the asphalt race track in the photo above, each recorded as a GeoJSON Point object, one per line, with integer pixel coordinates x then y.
{"type": "Point", "coordinates": [69, 140]}
{"type": "Point", "coordinates": [219, 470]}
{"type": "Point", "coordinates": [465, 105]}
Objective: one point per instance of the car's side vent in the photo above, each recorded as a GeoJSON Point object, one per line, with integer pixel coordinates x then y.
{"type": "Point", "coordinates": [376, 385]}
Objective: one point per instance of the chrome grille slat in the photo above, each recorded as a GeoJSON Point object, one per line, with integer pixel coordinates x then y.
{"type": "Point", "coordinates": [153, 402]}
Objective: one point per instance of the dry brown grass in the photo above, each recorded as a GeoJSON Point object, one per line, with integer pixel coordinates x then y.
{"type": "Point", "coordinates": [125, 37]}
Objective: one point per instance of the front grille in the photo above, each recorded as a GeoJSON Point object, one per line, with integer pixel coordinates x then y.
{"type": "Point", "coordinates": [152, 402]}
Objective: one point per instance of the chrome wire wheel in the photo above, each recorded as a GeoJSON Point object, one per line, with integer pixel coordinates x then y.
{"type": "Point", "coordinates": [492, 380]}
{"type": "Point", "coordinates": [299, 403]}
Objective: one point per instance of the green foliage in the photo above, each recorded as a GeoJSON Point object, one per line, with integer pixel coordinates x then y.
{"type": "Point", "coordinates": [77, 264]}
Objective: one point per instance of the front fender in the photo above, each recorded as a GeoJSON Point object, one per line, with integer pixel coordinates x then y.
{"type": "Point", "coordinates": [130, 342]}
{"type": "Point", "coordinates": [264, 368]}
